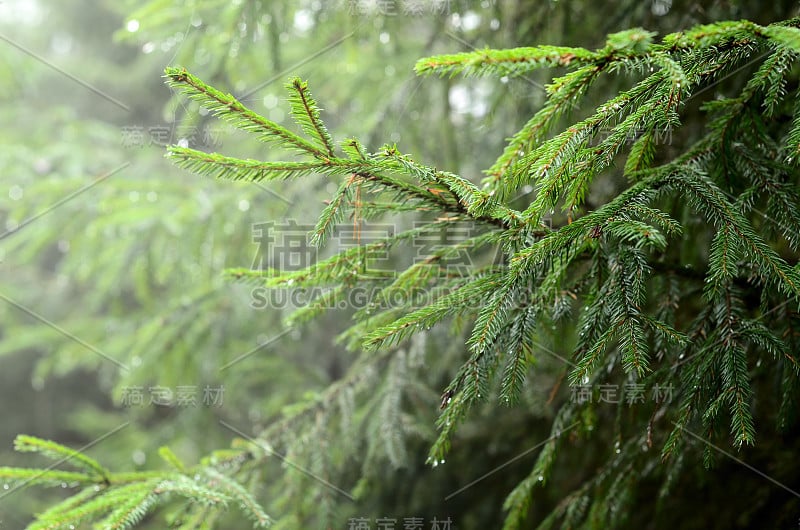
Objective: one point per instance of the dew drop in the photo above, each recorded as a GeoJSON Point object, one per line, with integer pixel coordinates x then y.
{"type": "Point", "coordinates": [15, 193]}
{"type": "Point", "coordinates": [139, 457]}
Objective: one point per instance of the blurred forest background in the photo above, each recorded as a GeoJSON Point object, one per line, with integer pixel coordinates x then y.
{"type": "Point", "coordinates": [117, 328]}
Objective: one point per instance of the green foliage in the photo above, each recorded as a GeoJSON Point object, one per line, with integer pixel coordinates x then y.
{"type": "Point", "coordinates": [121, 500]}
{"type": "Point", "coordinates": [622, 239]}
{"type": "Point", "coordinates": [622, 265]}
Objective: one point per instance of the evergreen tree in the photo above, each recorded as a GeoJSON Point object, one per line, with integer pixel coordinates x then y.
{"type": "Point", "coordinates": [700, 346]}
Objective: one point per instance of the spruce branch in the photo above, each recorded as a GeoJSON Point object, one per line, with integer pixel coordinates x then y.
{"type": "Point", "coordinates": [55, 451]}
{"type": "Point", "coordinates": [35, 477]}
{"type": "Point", "coordinates": [333, 212]}
{"type": "Point", "coordinates": [121, 500]}
{"type": "Point", "coordinates": [307, 114]}
{"type": "Point", "coordinates": [516, 61]}
{"type": "Point", "coordinates": [643, 305]}
{"type": "Point", "coordinates": [460, 299]}
{"type": "Point", "coordinates": [228, 108]}
{"type": "Point", "coordinates": [228, 168]}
